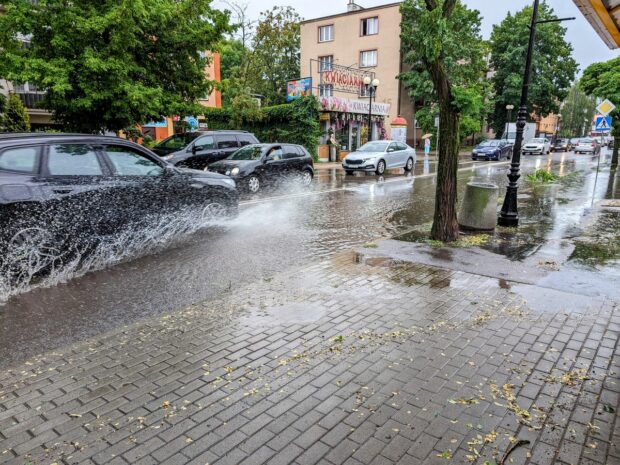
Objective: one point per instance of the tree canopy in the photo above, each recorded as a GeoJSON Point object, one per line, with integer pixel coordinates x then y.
{"type": "Point", "coordinates": [577, 112]}
{"type": "Point", "coordinates": [111, 64]}
{"type": "Point", "coordinates": [274, 57]}
{"type": "Point", "coordinates": [603, 80]}
{"type": "Point", "coordinates": [553, 66]}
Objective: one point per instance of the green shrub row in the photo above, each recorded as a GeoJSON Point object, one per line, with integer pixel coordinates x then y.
{"type": "Point", "coordinates": [295, 123]}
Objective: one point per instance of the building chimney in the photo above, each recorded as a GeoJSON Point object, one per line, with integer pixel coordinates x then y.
{"type": "Point", "coordinates": [352, 6]}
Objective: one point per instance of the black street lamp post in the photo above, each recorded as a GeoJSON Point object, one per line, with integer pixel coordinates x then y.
{"type": "Point", "coordinates": [371, 88]}
{"type": "Point", "coordinates": [509, 215]}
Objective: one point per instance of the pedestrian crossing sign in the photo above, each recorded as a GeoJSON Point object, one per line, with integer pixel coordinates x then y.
{"type": "Point", "coordinates": [603, 124]}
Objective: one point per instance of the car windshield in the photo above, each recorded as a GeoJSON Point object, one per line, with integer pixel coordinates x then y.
{"type": "Point", "coordinates": [490, 143]}
{"type": "Point", "coordinates": [178, 141]}
{"type": "Point", "coordinates": [249, 152]}
{"type": "Point", "coordinates": [562, 141]}
{"type": "Point", "coordinates": [373, 147]}
{"type": "Point", "coordinates": [585, 141]}
{"type": "Point", "coordinates": [537, 141]}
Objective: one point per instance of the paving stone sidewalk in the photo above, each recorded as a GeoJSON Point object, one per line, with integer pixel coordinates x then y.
{"type": "Point", "coordinates": [348, 361]}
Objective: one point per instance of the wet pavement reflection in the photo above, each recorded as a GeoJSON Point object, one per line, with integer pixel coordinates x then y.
{"type": "Point", "coordinates": [276, 230]}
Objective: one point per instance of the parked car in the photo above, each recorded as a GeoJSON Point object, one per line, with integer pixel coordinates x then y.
{"type": "Point", "coordinates": [537, 146]}
{"type": "Point", "coordinates": [198, 149]}
{"type": "Point", "coordinates": [256, 165]}
{"type": "Point", "coordinates": [588, 145]}
{"type": "Point", "coordinates": [380, 155]}
{"type": "Point", "coordinates": [573, 141]}
{"type": "Point", "coordinates": [493, 149]}
{"type": "Point", "coordinates": [562, 145]}
{"type": "Point", "coordinates": [56, 188]}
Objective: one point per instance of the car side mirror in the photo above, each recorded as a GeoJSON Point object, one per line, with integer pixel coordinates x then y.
{"type": "Point", "coordinates": [269, 158]}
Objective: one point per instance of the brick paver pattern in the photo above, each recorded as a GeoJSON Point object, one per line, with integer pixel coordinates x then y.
{"type": "Point", "coordinates": [344, 362]}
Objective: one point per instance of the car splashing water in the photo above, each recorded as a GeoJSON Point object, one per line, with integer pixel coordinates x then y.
{"type": "Point", "coordinates": [34, 259]}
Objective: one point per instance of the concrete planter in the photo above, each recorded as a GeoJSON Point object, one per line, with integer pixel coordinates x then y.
{"type": "Point", "coordinates": [479, 207]}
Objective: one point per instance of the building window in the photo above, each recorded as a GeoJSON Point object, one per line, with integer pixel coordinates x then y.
{"type": "Point", "coordinates": [326, 33]}
{"type": "Point", "coordinates": [370, 26]}
{"type": "Point", "coordinates": [325, 63]}
{"type": "Point", "coordinates": [368, 58]}
{"type": "Point", "coordinates": [326, 90]}
{"type": "Point", "coordinates": [25, 88]}
{"type": "Point", "coordinates": [364, 91]}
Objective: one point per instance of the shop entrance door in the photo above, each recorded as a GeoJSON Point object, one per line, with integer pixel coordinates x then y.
{"type": "Point", "coordinates": [354, 136]}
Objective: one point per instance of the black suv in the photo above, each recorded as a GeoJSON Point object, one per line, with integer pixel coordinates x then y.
{"type": "Point", "coordinates": [256, 165]}
{"type": "Point", "coordinates": [198, 149]}
{"type": "Point", "coordinates": [59, 188]}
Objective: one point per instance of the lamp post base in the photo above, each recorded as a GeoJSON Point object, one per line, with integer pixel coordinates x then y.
{"type": "Point", "coordinates": [508, 221]}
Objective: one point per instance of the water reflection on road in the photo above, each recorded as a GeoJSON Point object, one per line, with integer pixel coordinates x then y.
{"type": "Point", "coordinates": [274, 230]}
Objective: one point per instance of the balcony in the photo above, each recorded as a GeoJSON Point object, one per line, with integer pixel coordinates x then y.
{"type": "Point", "coordinates": [31, 100]}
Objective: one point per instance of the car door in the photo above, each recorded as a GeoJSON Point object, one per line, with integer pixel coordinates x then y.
{"type": "Point", "coordinates": [392, 155]}
{"type": "Point", "coordinates": [293, 163]}
{"type": "Point", "coordinates": [274, 164]}
{"type": "Point", "coordinates": [72, 180]}
{"type": "Point", "coordinates": [204, 151]}
{"type": "Point", "coordinates": [227, 144]}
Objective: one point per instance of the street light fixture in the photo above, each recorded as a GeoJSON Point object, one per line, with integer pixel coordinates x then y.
{"type": "Point", "coordinates": [371, 88]}
{"type": "Point", "coordinates": [509, 216]}
{"type": "Point", "coordinates": [509, 108]}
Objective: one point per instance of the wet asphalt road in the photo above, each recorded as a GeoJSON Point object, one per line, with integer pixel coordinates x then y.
{"type": "Point", "coordinates": [275, 230]}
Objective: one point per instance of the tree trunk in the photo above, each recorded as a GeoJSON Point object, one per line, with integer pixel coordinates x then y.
{"type": "Point", "coordinates": [445, 225]}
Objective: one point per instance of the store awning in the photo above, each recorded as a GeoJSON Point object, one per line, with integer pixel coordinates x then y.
{"type": "Point", "coordinates": [604, 16]}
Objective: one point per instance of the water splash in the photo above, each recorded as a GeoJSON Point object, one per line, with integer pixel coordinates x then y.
{"type": "Point", "coordinates": [35, 258]}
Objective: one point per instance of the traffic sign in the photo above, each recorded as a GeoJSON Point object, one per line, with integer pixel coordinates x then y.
{"type": "Point", "coordinates": [605, 107]}
{"type": "Point", "coordinates": [193, 122]}
{"type": "Point", "coordinates": [603, 124]}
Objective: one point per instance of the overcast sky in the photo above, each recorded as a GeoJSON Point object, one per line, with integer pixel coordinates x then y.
{"type": "Point", "coordinates": [588, 47]}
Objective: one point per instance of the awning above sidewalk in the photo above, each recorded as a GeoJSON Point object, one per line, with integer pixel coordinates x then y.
{"type": "Point", "coordinates": [604, 16]}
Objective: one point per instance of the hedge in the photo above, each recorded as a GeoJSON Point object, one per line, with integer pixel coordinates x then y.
{"type": "Point", "coordinates": [295, 123]}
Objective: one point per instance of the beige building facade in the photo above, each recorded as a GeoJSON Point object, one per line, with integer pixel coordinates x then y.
{"type": "Point", "coordinates": [338, 52]}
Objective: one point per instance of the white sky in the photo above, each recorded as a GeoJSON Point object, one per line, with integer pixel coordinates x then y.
{"type": "Point", "coordinates": [588, 47]}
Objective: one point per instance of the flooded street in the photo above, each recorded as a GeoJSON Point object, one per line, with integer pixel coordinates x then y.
{"type": "Point", "coordinates": [278, 230]}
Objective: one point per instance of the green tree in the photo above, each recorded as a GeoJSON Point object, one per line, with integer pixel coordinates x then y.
{"type": "Point", "coordinates": [443, 45]}
{"type": "Point", "coordinates": [113, 63]}
{"type": "Point", "coordinates": [16, 117]}
{"type": "Point", "coordinates": [275, 54]}
{"type": "Point", "coordinates": [603, 80]}
{"type": "Point", "coordinates": [577, 111]}
{"type": "Point", "coordinates": [553, 67]}
{"type": "Point", "coordinates": [233, 68]}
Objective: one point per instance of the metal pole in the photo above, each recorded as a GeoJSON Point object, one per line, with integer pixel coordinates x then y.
{"type": "Point", "coordinates": [509, 215]}
{"type": "Point", "coordinates": [370, 90]}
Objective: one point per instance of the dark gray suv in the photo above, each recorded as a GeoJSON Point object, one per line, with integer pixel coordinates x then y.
{"type": "Point", "coordinates": [197, 150]}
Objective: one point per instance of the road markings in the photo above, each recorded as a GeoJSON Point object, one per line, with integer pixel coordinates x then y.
{"type": "Point", "coordinates": [351, 188]}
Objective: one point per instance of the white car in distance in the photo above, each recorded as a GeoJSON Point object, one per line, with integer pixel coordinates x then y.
{"type": "Point", "coordinates": [380, 155]}
{"type": "Point", "coordinates": [537, 146]}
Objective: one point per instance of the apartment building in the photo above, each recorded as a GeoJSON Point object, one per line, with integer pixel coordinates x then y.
{"type": "Point", "coordinates": [338, 52]}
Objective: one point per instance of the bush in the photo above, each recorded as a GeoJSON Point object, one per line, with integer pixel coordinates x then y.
{"type": "Point", "coordinates": [542, 176]}
{"type": "Point", "coordinates": [16, 118]}
{"type": "Point", "coordinates": [295, 123]}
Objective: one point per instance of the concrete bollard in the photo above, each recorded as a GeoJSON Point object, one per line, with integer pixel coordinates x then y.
{"type": "Point", "coordinates": [479, 207]}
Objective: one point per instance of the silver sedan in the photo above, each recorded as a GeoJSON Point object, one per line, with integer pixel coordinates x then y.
{"type": "Point", "coordinates": [380, 155]}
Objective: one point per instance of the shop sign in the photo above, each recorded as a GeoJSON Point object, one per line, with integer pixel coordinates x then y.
{"type": "Point", "coordinates": [156, 124]}
{"type": "Point", "coordinates": [344, 105]}
{"type": "Point", "coordinates": [298, 88]}
{"type": "Point", "coordinates": [342, 78]}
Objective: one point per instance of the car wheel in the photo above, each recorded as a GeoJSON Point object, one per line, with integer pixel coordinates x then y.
{"type": "Point", "coordinates": [253, 184]}
{"type": "Point", "coordinates": [306, 177]}
{"type": "Point", "coordinates": [34, 250]}
{"type": "Point", "coordinates": [348, 172]}
{"type": "Point", "coordinates": [380, 167]}
{"type": "Point", "coordinates": [213, 211]}
{"type": "Point", "coordinates": [409, 165]}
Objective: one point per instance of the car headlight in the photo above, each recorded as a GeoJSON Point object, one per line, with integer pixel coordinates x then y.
{"type": "Point", "coordinates": [230, 182]}
{"type": "Point", "coordinates": [369, 159]}
{"type": "Point", "coordinates": [234, 172]}
{"type": "Point", "coordinates": [169, 157]}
